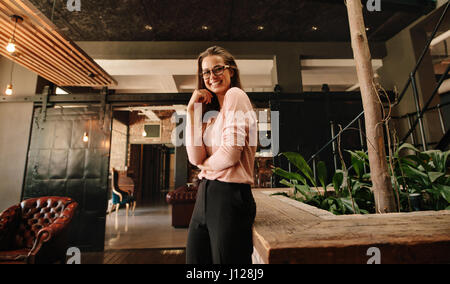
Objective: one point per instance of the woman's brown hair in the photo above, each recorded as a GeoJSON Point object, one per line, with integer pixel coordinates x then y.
{"type": "Point", "coordinates": [228, 60]}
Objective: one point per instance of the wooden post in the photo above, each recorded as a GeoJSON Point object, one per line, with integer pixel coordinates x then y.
{"type": "Point", "coordinates": [382, 187]}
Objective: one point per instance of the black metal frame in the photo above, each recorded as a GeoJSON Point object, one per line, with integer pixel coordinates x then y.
{"type": "Point", "coordinates": [411, 81]}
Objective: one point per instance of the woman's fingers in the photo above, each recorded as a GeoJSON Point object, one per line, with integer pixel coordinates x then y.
{"type": "Point", "coordinates": [206, 96]}
{"type": "Point", "coordinates": [202, 96]}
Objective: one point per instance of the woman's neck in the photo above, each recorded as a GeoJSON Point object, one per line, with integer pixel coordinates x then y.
{"type": "Point", "coordinates": [220, 98]}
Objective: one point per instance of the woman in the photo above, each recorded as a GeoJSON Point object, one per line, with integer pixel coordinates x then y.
{"type": "Point", "coordinates": [223, 148]}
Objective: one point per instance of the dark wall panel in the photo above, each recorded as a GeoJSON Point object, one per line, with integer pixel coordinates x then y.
{"type": "Point", "coordinates": [61, 164]}
{"type": "Point", "coordinates": [305, 127]}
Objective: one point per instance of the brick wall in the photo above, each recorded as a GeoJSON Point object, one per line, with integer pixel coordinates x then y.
{"type": "Point", "coordinates": [137, 123]}
{"type": "Point", "coordinates": [119, 146]}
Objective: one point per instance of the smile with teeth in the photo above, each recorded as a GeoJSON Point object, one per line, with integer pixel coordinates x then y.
{"type": "Point", "coordinates": [215, 84]}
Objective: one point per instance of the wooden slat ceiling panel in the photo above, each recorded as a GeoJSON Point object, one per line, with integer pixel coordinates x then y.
{"type": "Point", "coordinates": [45, 51]}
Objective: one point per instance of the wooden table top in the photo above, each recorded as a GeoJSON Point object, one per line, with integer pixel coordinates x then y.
{"type": "Point", "coordinates": [288, 231]}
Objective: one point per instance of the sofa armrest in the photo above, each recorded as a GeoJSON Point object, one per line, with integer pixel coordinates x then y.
{"type": "Point", "coordinates": [53, 230]}
{"type": "Point", "coordinates": [8, 225]}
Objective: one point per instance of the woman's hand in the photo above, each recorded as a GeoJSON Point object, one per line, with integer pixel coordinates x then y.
{"type": "Point", "coordinates": [199, 96]}
{"type": "Point", "coordinates": [204, 167]}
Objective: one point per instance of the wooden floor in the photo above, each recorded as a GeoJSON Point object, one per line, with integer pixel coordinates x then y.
{"type": "Point", "coordinates": [150, 227]}
{"type": "Point", "coordinates": [145, 237]}
{"type": "Point", "coordinates": [135, 256]}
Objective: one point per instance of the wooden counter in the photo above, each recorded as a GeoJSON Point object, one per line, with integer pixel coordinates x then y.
{"type": "Point", "coordinates": [287, 231]}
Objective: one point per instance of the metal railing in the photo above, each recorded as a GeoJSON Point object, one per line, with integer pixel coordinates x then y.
{"type": "Point", "coordinates": [419, 111]}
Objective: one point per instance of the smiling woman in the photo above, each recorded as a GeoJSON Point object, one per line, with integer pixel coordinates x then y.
{"type": "Point", "coordinates": [220, 231]}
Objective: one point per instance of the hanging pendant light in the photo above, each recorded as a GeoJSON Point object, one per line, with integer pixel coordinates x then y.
{"type": "Point", "coordinates": [9, 90]}
{"type": "Point", "coordinates": [11, 47]}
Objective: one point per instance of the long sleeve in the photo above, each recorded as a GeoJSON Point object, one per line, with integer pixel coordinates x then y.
{"type": "Point", "coordinates": [238, 115]}
{"type": "Point", "coordinates": [194, 140]}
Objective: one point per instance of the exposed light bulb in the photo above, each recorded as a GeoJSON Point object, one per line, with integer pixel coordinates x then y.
{"type": "Point", "coordinates": [11, 47]}
{"type": "Point", "coordinates": [9, 90]}
{"type": "Point", "coordinates": [85, 138]}
{"type": "Point", "coordinates": [144, 134]}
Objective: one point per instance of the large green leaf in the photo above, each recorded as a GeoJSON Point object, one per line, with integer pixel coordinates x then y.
{"type": "Point", "coordinates": [338, 179]}
{"type": "Point", "coordinates": [414, 161]}
{"type": "Point", "coordinates": [406, 146]}
{"type": "Point", "coordinates": [300, 163]}
{"type": "Point", "coordinates": [287, 183]}
{"type": "Point", "coordinates": [289, 176]}
{"type": "Point", "coordinates": [349, 205]}
{"type": "Point", "coordinates": [305, 190]}
{"type": "Point", "coordinates": [439, 160]}
{"type": "Point", "coordinates": [364, 156]}
{"type": "Point", "coordinates": [417, 175]}
{"type": "Point", "coordinates": [357, 163]}
{"type": "Point", "coordinates": [322, 174]}
{"type": "Point", "coordinates": [444, 190]}
{"type": "Point", "coordinates": [435, 175]}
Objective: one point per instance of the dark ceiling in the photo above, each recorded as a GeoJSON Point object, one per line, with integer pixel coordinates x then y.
{"type": "Point", "coordinates": [226, 20]}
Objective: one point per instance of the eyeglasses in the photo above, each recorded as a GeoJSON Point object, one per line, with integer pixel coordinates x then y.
{"type": "Point", "coordinates": [217, 71]}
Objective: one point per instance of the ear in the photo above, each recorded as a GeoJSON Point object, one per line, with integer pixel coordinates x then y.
{"type": "Point", "coordinates": [231, 72]}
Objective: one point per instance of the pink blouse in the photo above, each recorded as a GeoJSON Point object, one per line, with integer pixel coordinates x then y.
{"type": "Point", "coordinates": [229, 142]}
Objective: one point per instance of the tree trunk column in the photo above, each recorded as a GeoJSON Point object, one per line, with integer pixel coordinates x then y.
{"type": "Point", "coordinates": [382, 187]}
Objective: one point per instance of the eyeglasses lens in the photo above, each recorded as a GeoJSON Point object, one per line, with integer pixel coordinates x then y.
{"type": "Point", "coordinates": [218, 70]}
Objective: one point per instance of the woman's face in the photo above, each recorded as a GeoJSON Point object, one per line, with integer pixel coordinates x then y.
{"type": "Point", "coordinates": [219, 84]}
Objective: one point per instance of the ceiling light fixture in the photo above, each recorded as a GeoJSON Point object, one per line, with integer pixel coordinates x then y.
{"type": "Point", "coordinates": [205, 28]}
{"type": "Point", "coordinates": [315, 28]}
{"type": "Point", "coordinates": [260, 28]}
{"type": "Point", "coordinates": [148, 27]}
{"type": "Point", "coordinates": [9, 88]}
{"type": "Point", "coordinates": [11, 47]}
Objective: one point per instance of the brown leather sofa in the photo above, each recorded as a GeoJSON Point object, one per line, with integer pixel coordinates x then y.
{"type": "Point", "coordinates": [35, 231]}
{"type": "Point", "coordinates": [183, 201]}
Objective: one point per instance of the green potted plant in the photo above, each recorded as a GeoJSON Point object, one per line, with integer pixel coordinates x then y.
{"type": "Point", "coordinates": [425, 177]}
{"type": "Point", "coordinates": [421, 181]}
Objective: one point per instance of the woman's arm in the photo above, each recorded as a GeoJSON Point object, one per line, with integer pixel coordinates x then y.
{"type": "Point", "coordinates": [194, 139]}
{"type": "Point", "coordinates": [194, 134]}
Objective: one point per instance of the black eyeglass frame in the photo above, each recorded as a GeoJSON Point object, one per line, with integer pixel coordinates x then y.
{"type": "Point", "coordinates": [207, 74]}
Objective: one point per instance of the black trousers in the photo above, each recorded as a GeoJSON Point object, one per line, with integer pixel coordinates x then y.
{"type": "Point", "coordinates": [221, 226]}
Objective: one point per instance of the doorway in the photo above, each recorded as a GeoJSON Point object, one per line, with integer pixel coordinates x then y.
{"type": "Point", "coordinates": [153, 166]}
{"type": "Point", "coordinates": [142, 151]}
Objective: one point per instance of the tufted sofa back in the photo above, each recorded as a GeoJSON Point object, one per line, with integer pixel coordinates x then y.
{"type": "Point", "coordinates": [38, 213]}
{"type": "Point", "coordinates": [183, 194]}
